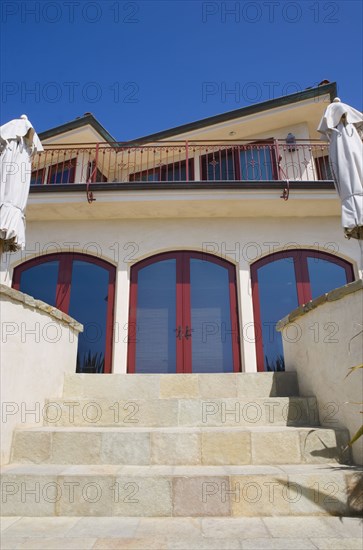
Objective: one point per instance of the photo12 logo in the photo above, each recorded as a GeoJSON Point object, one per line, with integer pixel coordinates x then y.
{"type": "Point", "coordinates": [70, 12]}
{"type": "Point", "coordinates": [69, 92]}
{"type": "Point", "coordinates": [270, 12]}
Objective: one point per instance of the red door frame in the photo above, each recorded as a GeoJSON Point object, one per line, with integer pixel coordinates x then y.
{"type": "Point", "coordinates": [183, 311]}
{"type": "Point", "coordinates": [63, 290]}
{"type": "Point", "coordinates": [303, 287]}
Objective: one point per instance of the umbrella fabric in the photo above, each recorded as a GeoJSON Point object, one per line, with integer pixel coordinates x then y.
{"type": "Point", "coordinates": [341, 125]}
{"type": "Point", "coordinates": [18, 142]}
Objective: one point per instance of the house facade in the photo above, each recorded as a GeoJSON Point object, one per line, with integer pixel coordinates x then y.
{"type": "Point", "coordinates": [180, 251]}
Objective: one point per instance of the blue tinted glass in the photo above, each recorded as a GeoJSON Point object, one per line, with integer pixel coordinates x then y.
{"type": "Point", "coordinates": [324, 276]}
{"type": "Point", "coordinates": [88, 305]}
{"type": "Point", "coordinates": [40, 282]}
{"type": "Point", "coordinates": [278, 296]}
{"type": "Point", "coordinates": [174, 172]}
{"type": "Point", "coordinates": [220, 166]}
{"type": "Point", "coordinates": [256, 164]}
{"type": "Point", "coordinates": [212, 332]}
{"type": "Point", "coordinates": [156, 318]}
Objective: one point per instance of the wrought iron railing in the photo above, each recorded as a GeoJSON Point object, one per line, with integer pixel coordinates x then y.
{"type": "Point", "coordinates": [259, 161]}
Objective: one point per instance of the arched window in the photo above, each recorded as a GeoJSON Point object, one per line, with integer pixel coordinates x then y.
{"type": "Point", "coordinates": [280, 283]}
{"type": "Point", "coordinates": [83, 287]}
{"type": "Point", "coordinates": [183, 315]}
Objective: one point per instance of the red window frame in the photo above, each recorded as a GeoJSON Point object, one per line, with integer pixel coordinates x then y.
{"type": "Point", "coordinates": [63, 290]}
{"type": "Point", "coordinates": [303, 286]}
{"type": "Point", "coordinates": [235, 151]}
{"type": "Point", "coordinates": [183, 347]}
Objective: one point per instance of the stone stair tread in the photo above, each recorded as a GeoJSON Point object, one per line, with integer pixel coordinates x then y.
{"type": "Point", "coordinates": [172, 470]}
{"type": "Point", "coordinates": [177, 429]}
{"type": "Point", "coordinates": [188, 385]}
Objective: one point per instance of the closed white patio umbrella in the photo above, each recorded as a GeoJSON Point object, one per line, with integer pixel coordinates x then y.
{"type": "Point", "coordinates": [342, 126]}
{"type": "Point", "coordinates": [18, 143]}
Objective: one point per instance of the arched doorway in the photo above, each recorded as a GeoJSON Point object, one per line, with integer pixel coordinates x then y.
{"type": "Point", "coordinates": [83, 287]}
{"type": "Point", "coordinates": [283, 281]}
{"type": "Point", "coordinates": [183, 315]}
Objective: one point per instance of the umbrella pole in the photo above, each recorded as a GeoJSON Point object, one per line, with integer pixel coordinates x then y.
{"type": "Point", "coordinates": [360, 241]}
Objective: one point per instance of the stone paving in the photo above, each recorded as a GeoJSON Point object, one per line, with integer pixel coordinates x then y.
{"type": "Point", "coordinates": [276, 533]}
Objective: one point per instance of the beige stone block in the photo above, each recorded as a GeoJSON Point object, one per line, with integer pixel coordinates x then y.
{"type": "Point", "coordinates": [143, 496]}
{"type": "Point", "coordinates": [291, 411]}
{"type": "Point", "coordinates": [59, 543]}
{"type": "Point", "coordinates": [334, 543]}
{"type": "Point", "coordinates": [87, 495]}
{"type": "Point", "coordinates": [11, 543]}
{"type": "Point", "coordinates": [201, 496]}
{"type": "Point", "coordinates": [125, 448]}
{"type": "Point", "coordinates": [179, 386]}
{"type": "Point", "coordinates": [76, 447]}
{"type": "Point", "coordinates": [218, 385]}
{"type": "Point", "coordinates": [320, 493]}
{"type": "Point", "coordinates": [256, 385]}
{"type": "Point", "coordinates": [202, 543]}
{"type": "Point", "coordinates": [42, 527]}
{"type": "Point", "coordinates": [296, 527]}
{"type": "Point", "coordinates": [192, 412]}
{"type": "Point", "coordinates": [171, 527]}
{"type": "Point", "coordinates": [345, 526]}
{"type": "Point", "coordinates": [113, 387]}
{"type": "Point", "coordinates": [157, 413]}
{"type": "Point", "coordinates": [28, 495]}
{"type": "Point", "coordinates": [277, 544]}
{"type": "Point", "coordinates": [272, 447]}
{"type": "Point", "coordinates": [6, 522]}
{"type": "Point", "coordinates": [80, 412]}
{"type": "Point", "coordinates": [149, 543]}
{"type": "Point", "coordinates": [258, 495]}
{"type": "Point", "coordinates": [320, 445]}
{"type": "Point", "coordinates": [226, 447]}
{"type": "Point", "coordinates": [31, 446]}
{"type": "Point", "coordinates": [104, 527]}
{"type": "Point", "coordinates": [175, 448]}
{"type": "Point", "coordinates": [222, 528]}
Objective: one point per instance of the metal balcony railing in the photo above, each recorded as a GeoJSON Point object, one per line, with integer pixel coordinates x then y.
{"type": "Point", "coordinates": [260, 161]}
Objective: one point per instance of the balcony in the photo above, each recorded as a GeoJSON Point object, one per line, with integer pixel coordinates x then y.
{"type": "Point", "coordinates": [259, 164]}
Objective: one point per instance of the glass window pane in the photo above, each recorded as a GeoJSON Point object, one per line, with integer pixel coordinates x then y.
{"type": "Point", "coordinates": [88, 305]}
{"type": "Point", "coordinates": [278, 296]}
{"type": "Point", "coordinates": [156, 318]}
{"type": "Point", "coordinates": [218, 166]}
{"type": "Point", "coordinates": [211, 318]}
{"type": "Point", "coordinates": [324, 276]}
{"type": "Point", "coordinates": [40, 281]}
{"type": "Point", "coordinates": [256, 164]}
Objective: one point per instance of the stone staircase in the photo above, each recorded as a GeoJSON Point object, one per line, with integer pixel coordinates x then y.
{"type": "Point", "coordinates": [180, 445]}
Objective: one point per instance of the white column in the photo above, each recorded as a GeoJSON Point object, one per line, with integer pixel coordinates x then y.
{"type": "Point", "coordinates": [247, 332]}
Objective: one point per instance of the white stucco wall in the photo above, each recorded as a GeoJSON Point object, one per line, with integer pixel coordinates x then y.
{"type": "Point", "coordinates": [124, 242]}
{"type": "Point", "coordinates": [37, 348]}
{"type": "Point", "coordinates": [321, 345]}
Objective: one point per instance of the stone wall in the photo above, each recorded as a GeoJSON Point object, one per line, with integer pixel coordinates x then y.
{"type": "Point", "coordinates": [38, 346]}
{"type": "Point", "coordinates": [322, 341]}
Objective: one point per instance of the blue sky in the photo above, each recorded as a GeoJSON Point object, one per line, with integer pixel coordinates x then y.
{"type": "Point", "coordinates": [144, 66]}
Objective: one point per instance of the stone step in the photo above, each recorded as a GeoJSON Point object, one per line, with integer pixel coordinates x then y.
{"type": "Point", "coordinates": [181, 491]}
{"type": "Point", "coordinates": [171, 533]}
{"type": "Point", "coordinates": [166, 386]}
{"type": "Point", "coordinates": [179, 446]}
{"type": "Point", "coordinates": [223, 412]}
